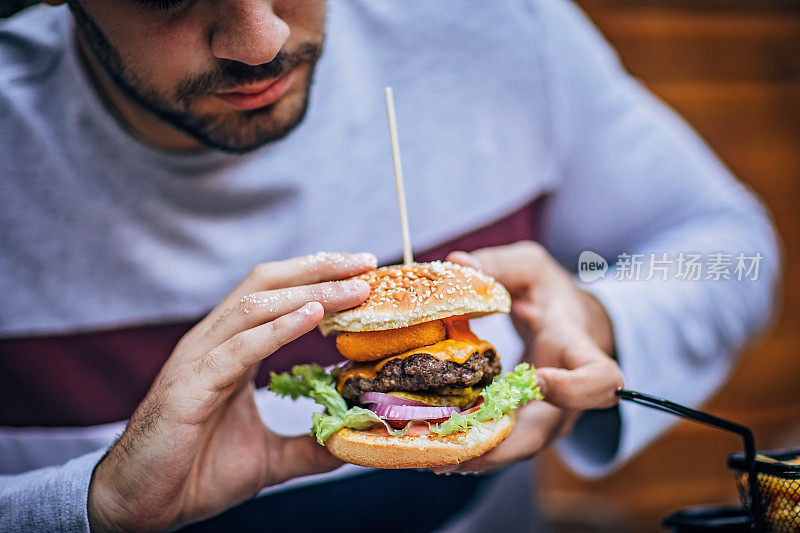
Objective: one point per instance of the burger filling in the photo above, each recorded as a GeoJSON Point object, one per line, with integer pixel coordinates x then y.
{"type": "Point", "coordinates": [423, 374]}
{"type": "Point", "coordinates": [398, 413]}
{"type": "Point", "coordinates": [435, 378]}
{"type": "Point", "coordinates": [448, 372]}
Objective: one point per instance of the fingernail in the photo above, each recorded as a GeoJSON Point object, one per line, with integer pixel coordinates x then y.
{"type": "Point", "coordinates": [542, 383]}
{"type": "Point", "coordinates": [465, 258]}
{"type": "Point", "coordinates": [308, 309]}
{"type": "Point", "coordinates": [367, 258]}
{"type": "Point", "coordinates": [352, 285]}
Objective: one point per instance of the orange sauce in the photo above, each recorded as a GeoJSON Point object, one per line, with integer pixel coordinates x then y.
{"type": "Point", "coordinates": [458, 329]}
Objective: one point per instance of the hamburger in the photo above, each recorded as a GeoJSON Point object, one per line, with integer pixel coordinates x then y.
{"type": "Point", "coordinates": [418, 389]}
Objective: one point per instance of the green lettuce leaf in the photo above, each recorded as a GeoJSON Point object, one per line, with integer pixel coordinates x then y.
{"type": "Point", "coordinates": [311, 381]}
{"type": "Point", "coordinates": [504, 393]}
{"type": "Point", "coordinates": [325, 425]}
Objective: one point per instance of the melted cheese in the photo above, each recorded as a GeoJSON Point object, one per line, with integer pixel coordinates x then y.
{"type": "Point", "coordinates": [446, 350]}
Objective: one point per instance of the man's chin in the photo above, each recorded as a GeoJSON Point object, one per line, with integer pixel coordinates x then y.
{"type": "Point", "coordinates": [244, 131]}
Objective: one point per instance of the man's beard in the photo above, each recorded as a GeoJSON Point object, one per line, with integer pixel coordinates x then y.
{"type": "Point", "coordinates": [242, 132]}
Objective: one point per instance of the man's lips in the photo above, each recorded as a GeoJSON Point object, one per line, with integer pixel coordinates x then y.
{"type": "Point", "coordinates": [256, 95]}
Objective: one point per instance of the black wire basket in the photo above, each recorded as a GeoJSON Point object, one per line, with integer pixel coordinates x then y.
{"type": "Point", "coordinates": [768, 482]}
{"type": "Point", "coordinates": [778, 476]}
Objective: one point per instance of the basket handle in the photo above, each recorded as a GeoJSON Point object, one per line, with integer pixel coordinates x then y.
{"type": "Point", "coordinates": [660, 404]}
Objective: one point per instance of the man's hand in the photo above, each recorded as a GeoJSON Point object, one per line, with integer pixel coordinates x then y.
{"type": "Point", "coordinates": [196, 445]}
{"type": "Point", "coordinates": [568, 337]}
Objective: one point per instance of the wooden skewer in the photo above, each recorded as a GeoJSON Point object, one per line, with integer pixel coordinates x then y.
{"type": "Point", "coordinates": [408, 257]}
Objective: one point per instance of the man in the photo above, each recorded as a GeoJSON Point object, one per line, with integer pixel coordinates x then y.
{"type": "Point", "coordinates": [155, 151]}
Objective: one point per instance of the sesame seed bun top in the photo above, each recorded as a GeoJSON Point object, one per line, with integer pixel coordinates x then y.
{"type": "Point", "coordinates": [402, 296]}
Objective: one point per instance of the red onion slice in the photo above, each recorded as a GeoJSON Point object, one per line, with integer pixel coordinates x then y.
{"type": "Point", "coordinates": [411, 412]}
{"type": "Point", "coordinates": [386, 399]}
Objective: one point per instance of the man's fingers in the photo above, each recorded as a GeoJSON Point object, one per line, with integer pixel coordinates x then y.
{"type": "Point", "coordinates": [323, 266]}
{"type": "Point", "coordinates": [590, 386]}
{"type": "Point", "coordinates": [333, 295]}
{"type": "Point", "coordinates": [516, 266]}
{"type": "Point", "coordinates": [463, 258]}
{"type": "Point", "coordinates": [301, 456]}
{"type": "Point", "coordinates": [224, 365]}
{"type": "Point", "coordinates": [527, 318]}
{"type": "Point", "coordinates": [304, 270]}
{"type": "Point", "coordinates": [257, 308]}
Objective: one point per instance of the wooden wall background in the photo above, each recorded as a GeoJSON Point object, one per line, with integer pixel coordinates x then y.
{"type": "Point", "coordinates": [732, 68]}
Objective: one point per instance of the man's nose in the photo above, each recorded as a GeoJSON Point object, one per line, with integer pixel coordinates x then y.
{"type": "Point", "coordinates": [248, 31]}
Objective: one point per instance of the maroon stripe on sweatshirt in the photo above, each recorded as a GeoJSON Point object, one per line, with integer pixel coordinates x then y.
{"type": "Point", "coordinates": [93, 378]}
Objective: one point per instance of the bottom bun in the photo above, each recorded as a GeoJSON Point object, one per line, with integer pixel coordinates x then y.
{"type": "Point", "coordinates": [370, 449]}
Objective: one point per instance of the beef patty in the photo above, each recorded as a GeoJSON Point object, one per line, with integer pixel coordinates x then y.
{"type": "Point", "coordinates": [423, 372]}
